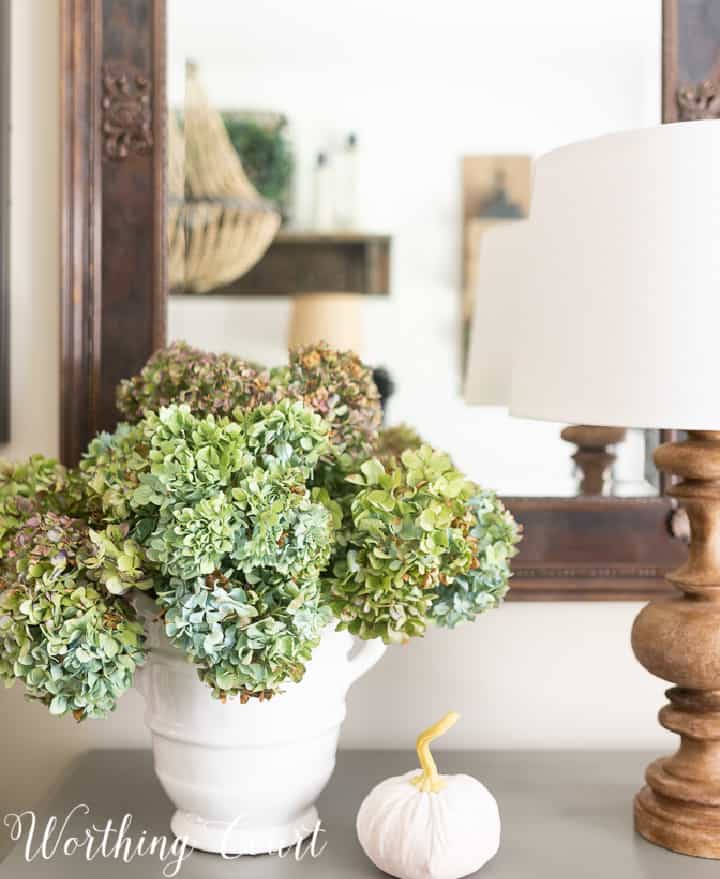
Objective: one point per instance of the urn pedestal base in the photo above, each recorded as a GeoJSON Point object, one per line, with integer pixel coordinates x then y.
{"type": "Point", "coordinates": [236, 838]}
{"type": "Point", "coordinates": [245, 778]}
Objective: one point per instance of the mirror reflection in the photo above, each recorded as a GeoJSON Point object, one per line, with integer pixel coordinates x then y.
{"type": "Point", "coordinates": [334, 170]}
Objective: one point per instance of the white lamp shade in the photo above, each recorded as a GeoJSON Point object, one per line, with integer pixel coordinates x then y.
{"type": "Point", "coordinates": [501, 268]}
{"type": "Point", "coordinates": [620, 320]}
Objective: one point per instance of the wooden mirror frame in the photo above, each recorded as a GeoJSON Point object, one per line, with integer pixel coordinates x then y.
{"type": "Point", "coordinates": [4, 221]}
{"type": "Point", "coordinates": [113, 295]}
{"type": "Point", "coordinates": [113, 157]}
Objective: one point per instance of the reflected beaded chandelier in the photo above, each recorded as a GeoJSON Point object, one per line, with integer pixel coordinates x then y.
{"type": "Point", "coordinates": [218, 224]}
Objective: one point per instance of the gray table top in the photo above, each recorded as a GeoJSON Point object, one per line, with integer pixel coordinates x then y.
{"type": "Point", "coordinates": [565, 814]}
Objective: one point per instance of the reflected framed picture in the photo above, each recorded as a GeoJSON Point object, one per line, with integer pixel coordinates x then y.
{"type": "Point", "coordinates": [691, 60]}
{"type": "Point", "coordinates": [495, 189]}
{"type": "Point", "coordinates": [4, 220]}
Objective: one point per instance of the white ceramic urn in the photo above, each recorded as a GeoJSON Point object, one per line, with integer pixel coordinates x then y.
{"type": "Point", "coordinates": [244, 778]}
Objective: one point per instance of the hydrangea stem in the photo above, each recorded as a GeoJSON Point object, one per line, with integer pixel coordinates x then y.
{"type": "Point", "coordinates": [429, 781]}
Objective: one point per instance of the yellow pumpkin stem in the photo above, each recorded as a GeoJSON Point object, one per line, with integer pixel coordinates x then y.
{"type": "Point", "coordinates": [429, 781]}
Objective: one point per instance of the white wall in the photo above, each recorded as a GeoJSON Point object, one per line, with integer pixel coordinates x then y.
{"type": "Point", "coordinates": [537, 676]}
{"type": "Point", "coordinates": [34, 197]}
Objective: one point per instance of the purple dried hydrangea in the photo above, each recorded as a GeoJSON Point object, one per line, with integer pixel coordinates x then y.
{"type": "Point", "coordinates": [208, 383]}
{"type": "Point", "coordinates": [49, 545]}
{"type": "Point", "coordinates": [340, 388]}
{"type": "Point", "coordinates": [37, 485]}
{"type": "Point", "coordinates": [51, 539]}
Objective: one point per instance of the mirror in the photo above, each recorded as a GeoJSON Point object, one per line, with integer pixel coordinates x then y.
{"type": "Point", "coordinates": [354, 119]}
{"type": "Point", "coordinates": [385, 269]}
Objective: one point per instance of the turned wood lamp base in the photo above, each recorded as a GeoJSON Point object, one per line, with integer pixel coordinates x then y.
{"type": "Point", "coordinates": [682, 828]}
{"type": "Point", "coordinates": [678, 639]}
{"type": "Point", "coordinates": [595, 455]}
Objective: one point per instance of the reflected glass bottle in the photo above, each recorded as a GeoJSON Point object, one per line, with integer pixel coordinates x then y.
{"type": "Point", "coordinates": [322, 212]}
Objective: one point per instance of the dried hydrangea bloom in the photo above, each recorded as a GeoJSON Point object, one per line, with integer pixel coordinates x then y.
{"type": "Point", "coordinates": [224, 510]}
{"type": "Point", "coordinates": [111, 470]}
{"type": "Point", "coordinates": [208, 383]}
{"type": "Point", "coordinates": [37, 485]}
{"type": "Point", "coordinates": [247, 634]}
{"type": "Point", "coordinates": [421, 543]}
{"type": "Point", "coordinates": [56, 543]}
{"type": "Point", "coordinates": [393, 441]}
{"type": "Point", "coordinates": [73, 643]}
{"type": "Point", "coordinates": [493, 536]}
{"type": "Point", "coordinates": [340, 388]}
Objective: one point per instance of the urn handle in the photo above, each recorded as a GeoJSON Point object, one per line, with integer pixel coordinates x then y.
{"type": "Point", "coordinates": [365, 657]}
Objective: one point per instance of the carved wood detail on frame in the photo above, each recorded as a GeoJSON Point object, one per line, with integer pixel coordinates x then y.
{"type": "Point", "coordinates": [589, 573]}
{"type": "Point", "coordinates": [127, 113]}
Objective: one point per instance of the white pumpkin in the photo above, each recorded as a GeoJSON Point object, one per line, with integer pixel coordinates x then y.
{"type": "Point", "coordinates": [429, 826]}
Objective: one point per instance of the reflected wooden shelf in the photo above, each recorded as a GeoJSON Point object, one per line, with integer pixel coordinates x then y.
{"type": "Point", "coordinates": [313, 262]}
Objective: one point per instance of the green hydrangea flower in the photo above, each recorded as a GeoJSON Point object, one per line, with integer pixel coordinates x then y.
{"type": "Point", "coordinates": [248, 636]}
{"type": "Point", "coordinates": [285, 531]}
{"type": "Point", "coordinates": [409, 537]}
{"type": "Point", "coordinates": [207, 383]}
{"type": "Point", "coordinates": [192, 541]}
{"type": "Point", "coordinates": [493, 538]}
{"type": "Point", "coordinates": [219, 487]}
{"type": "Point", "coordinates": [285, 436]}
{"type": "Point", "coordinates": [117, 562]}
{"type": "Point", "coordinates": [224, 497]}
{"type": "Point", "coordinates": [173, 454]}
{"type": "Point", "coordinates": [74, 645]}
{"type": "Point", "coordinates": [111, 470]}
{"type": "Point", "coordinates": [393, 441]}
{"type": "Point", "coordinates": [189, 455]}
{"type": "Point", "coordinates": [180, 455]}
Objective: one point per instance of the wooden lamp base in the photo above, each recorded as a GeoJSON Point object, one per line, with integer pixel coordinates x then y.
{"type": "Point", "coordinates": [335, 318]}
{"type": "Point", "coordinates": [678, 639]}
{"type": "Point", "coordinates": [594, 456]}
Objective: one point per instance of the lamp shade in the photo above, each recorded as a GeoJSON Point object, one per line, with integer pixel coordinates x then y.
{"type": "Point", "coordinates": [502, 263]}
{"type": "Point", "coordinates": [620, 318]}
